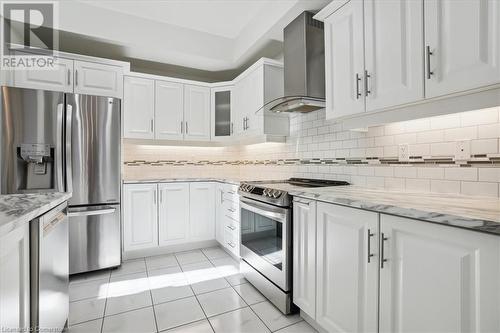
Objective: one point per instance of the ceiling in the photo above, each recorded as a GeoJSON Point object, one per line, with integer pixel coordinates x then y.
{"type": "Point", "coordinates": [209, 35]}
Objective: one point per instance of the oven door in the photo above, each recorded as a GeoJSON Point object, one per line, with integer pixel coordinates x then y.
{"type": "Point", "coordinates": [266, 240]}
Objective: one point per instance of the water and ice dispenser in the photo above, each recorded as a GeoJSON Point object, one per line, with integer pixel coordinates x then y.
{"type": "Point", "coordinates": [35, 167]}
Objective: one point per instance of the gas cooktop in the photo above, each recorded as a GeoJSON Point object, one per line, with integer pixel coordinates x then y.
{"type": "Point", "coordinates": [276, 192]}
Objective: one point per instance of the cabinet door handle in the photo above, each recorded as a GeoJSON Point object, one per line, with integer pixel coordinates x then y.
{"type": "Point", "coordinates": [367, 76]}
{"type": "Point", "coordinates": [76, 77]}
{"type": "Point", "coordinates": [232, 128]}
{"type": "Point", "coordinates": [382, 258]}
{"type": "Point", "coordinates": [221, 196]}
{"type": "Point", "coordinates": [69, 77]}
{"type": "Point", "coordinates": [358, 79]}
{"type": "Point", "coordinates": [428, 54]}
{"type": "Point", "coordinates": [161, 196]}
{"type": "Point", "coordinates": [244, 122]}
{"type": "Point", "coordinates": [182, 127]}
{"type": "Point", "coordinates": [154, 197]}
{"type": "Point", "coordinates": [152, 125]}
{"type": "Point", "coordinates": [370, 255]}
{"type": "Point", "coordinates": [187, 127]}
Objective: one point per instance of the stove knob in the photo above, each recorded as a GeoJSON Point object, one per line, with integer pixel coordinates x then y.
{"type": "Point", "coordinates": [275, 193]}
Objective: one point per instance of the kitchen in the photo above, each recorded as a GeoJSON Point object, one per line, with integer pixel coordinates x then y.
{"type": "Point", "coordinates": [291, 166]}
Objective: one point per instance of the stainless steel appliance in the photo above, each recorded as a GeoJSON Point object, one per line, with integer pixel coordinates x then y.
{"type": "Point", "coordinates": [49, 270]}
{"type": "Point", "coordinates": [266, 236]}
{"type": "Point", "coordinates": [304, 67]}
{"type": "Point", "coordinates": [52, 141]}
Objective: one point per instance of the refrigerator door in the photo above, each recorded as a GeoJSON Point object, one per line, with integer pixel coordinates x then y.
{"type": "Point", "coordinates": [32, 140]}
{"type": "Point", "coordinates": [94, 238]}
{"type": "Point", "coordinates": [93, 174]}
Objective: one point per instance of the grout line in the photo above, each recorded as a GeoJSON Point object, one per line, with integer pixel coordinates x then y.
{"type": "Point", "coordinates": [151, 296]}
{"type": "Point", "coordinates": [105, 302]}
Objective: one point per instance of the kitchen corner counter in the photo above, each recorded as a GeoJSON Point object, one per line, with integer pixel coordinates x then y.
{"type": "Point", "coordinates": [232, 181]}
{"type": "Point", "coordinates": [17, 209]}
{"type": "Point", "coordinates": [474, 213]}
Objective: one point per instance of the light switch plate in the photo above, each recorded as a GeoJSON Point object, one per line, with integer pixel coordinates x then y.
{"type": "Point", "coordinates": [404, 152]}
{"type": "Point", "coordinates": [462, 150]}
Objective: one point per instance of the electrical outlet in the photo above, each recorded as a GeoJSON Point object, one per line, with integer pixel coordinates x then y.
{"type": "Point", "coordinates": [404, 152]}
{"type": "Point", "coordinates": [462, 150]}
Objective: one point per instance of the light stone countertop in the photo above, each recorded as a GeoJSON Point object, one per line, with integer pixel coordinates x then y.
{"type": "Point", "coordinates": [18, 209]}
{"type": "Point", "coordinates": [467, 212]}
{"type": "Point", "coordinates": [232, 181]}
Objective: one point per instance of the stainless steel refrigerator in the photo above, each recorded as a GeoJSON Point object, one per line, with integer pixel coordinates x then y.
{"type": "Point", "coordinates": [52, 141]}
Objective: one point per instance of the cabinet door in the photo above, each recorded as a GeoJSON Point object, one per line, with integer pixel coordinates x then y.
{"type": "Point", "coordinates": [138, 108]}
{"type": "Point", "coordinates": [394, 47]}
{"type": "Point", "coordinates": [60, 78]}
{"type": "Point", "coordinates": [15, 280]}
{"type": "Point", "coordinates": [169, 110]}
{"type": "Point", "coordinates": [140, 217]}
{"type": "Point", "coordinates": [254, 101]}
{"type": "Point", "coordinates": [344, 61]}
{"type": "Point", "coordinates": [173, 213]}
{"type": "Point", "coordinates": [221, 106]}
{"type": "Point", "coordinates": [202, 211]}
{"type": "Point", "coordinates": [238, 110]}
{"type": "Point", "coordinates": [463, 39]}
{"type": "Point", "coordinates": [438, 279]}
{"type": "Point", "coordinates": [347, 277]}
{"type": "Point", "coordinates": [219, 214]}
{"type": "Point", "coordinates": [98, 79]}
{"type": "Point", "coordinates": [197, 113]}
{"type": "Point", "coordinates": [304, 256]}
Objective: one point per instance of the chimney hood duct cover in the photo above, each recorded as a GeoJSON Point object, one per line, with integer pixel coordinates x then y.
{"type": "Point", "coordinates": [304, 62]}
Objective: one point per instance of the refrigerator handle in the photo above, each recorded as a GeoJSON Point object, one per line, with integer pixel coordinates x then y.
{"type": "Point", "coordinates": [69, 166]}
{"type": "Point", "coordinates": [59, 148]}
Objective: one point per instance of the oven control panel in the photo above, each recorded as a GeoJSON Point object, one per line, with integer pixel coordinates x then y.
{"type": "Point", "coordinates": [266, 192]}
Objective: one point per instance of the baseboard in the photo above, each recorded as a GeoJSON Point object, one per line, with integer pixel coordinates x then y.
{"type": "Point", "coordinates": [168, 249]}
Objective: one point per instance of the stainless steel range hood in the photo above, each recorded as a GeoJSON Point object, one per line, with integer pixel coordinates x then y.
{"type": "Point", "coordinates": [304, 58]}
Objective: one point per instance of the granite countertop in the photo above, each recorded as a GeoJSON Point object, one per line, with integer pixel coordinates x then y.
{"type": "Point", "coordinates": [18, 209]}
{"type": "Point", "coordinates": [473, 213]}
{"type": "Point", "coordinates": [233, 181]}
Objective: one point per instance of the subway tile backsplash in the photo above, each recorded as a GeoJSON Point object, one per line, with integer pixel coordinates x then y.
{"type": "Point", "coordinates": [317, 148]}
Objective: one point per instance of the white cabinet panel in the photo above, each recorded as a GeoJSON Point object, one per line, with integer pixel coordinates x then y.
{"type": "Point", "coordinates": [222, 113]}
{"type": "Point", "coordinates": [140, 220]}
{"type": "Point", "coordinates": [304, 256]}
{"type": "Point", "coordinates": [202, 211]}
{"type": "Point", "coordinates": [438, 279]}
{"type": "Point", "coordinates": [98, 79]}
{"type": "Point", "coordinates": [346, 281]}
{"type": "Point", "coordinates": [344, 61]}
{"type": "Point", "coordinates": [463, 37]}
{"type": "Point", "coordinates": [138, 108]}
{"type": "Point", "coordinates": [219, 213]}
{"type": "Point", "coordinates": [60, 78]}
{"type": "Point", "coordinates": [169, 110]}
{"type": "Point", "coordinates": [173, 215]}
{"type": "Point", "coordinates": [15, 280]}
{"type": "Point", "coordinates": [393, 53]}
{"type": "Point", "coordinates": [197, 112]}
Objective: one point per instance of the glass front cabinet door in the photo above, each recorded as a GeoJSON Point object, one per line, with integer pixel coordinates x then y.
{"type": "Point", "coordinates": [222, 118]}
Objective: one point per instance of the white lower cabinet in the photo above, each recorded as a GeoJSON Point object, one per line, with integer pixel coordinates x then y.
{"type": "Point", "coordinates": [15, 280]}
{"type": "Point", "coordinates": [228, 218]}
{"type": "Point", "coordinates": [173, 213]}
{"type": "Point", "coordinates": [140, 216]}
{"type": "Point", "coordinates": [165, 214]}
{"type": "Point", "coordinates": [219, 213]}
{"type": "Point", "coordinates": [304, 256]}
{"type": "Point", "coordinates": [347, 276]}
{"type": "Point", "coordinates": [438, 279]}
{"type": "Point", "coordinates": [369, 272]}
{"type": "Point", "coordinates": [202, 211]}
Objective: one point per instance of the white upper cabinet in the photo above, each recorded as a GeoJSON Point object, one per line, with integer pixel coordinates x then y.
{"type": "Point", "coordinates": [393, 53]}
{"type": "Point", "coordinates": [304, 256]}
{"type": "Point", "coordinates": [169, 110]}
{"type": "Point", "coordinates": [202, 211]}
{"type": "Point", "coordinates": [173, 216]}
{"type": "Point", "coordinates": [138, 108]}
{"type": "Point", "coordinates": [140, 216]}
{"type": "Point", "coordinates": [98, 79]}
{"type": "Point", "coordinates": [344, 61]}
{"type": "Point", "coordinates": [462, 45]}
{"type": "Point", "coordinates": [438, 279]}
{"type": "Point", "coordinates": [60, 78]}
{"type": "Point", "coordinates": [347, 275]}
{"type": "Point", "coordinates": [197, 113]}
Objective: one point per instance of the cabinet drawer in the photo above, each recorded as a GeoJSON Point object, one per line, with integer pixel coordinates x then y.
{"type": "Point", "coordinates": [231, 241]}
{"type": "Point", "coordinates": [231, 210]}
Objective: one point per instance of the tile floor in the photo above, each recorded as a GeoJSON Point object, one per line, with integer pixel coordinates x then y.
{"type": "Point", "coordinates": [187, 292]}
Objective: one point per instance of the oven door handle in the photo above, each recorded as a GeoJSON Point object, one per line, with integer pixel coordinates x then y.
{"type": "Point", "coordinates": [274, 213]}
